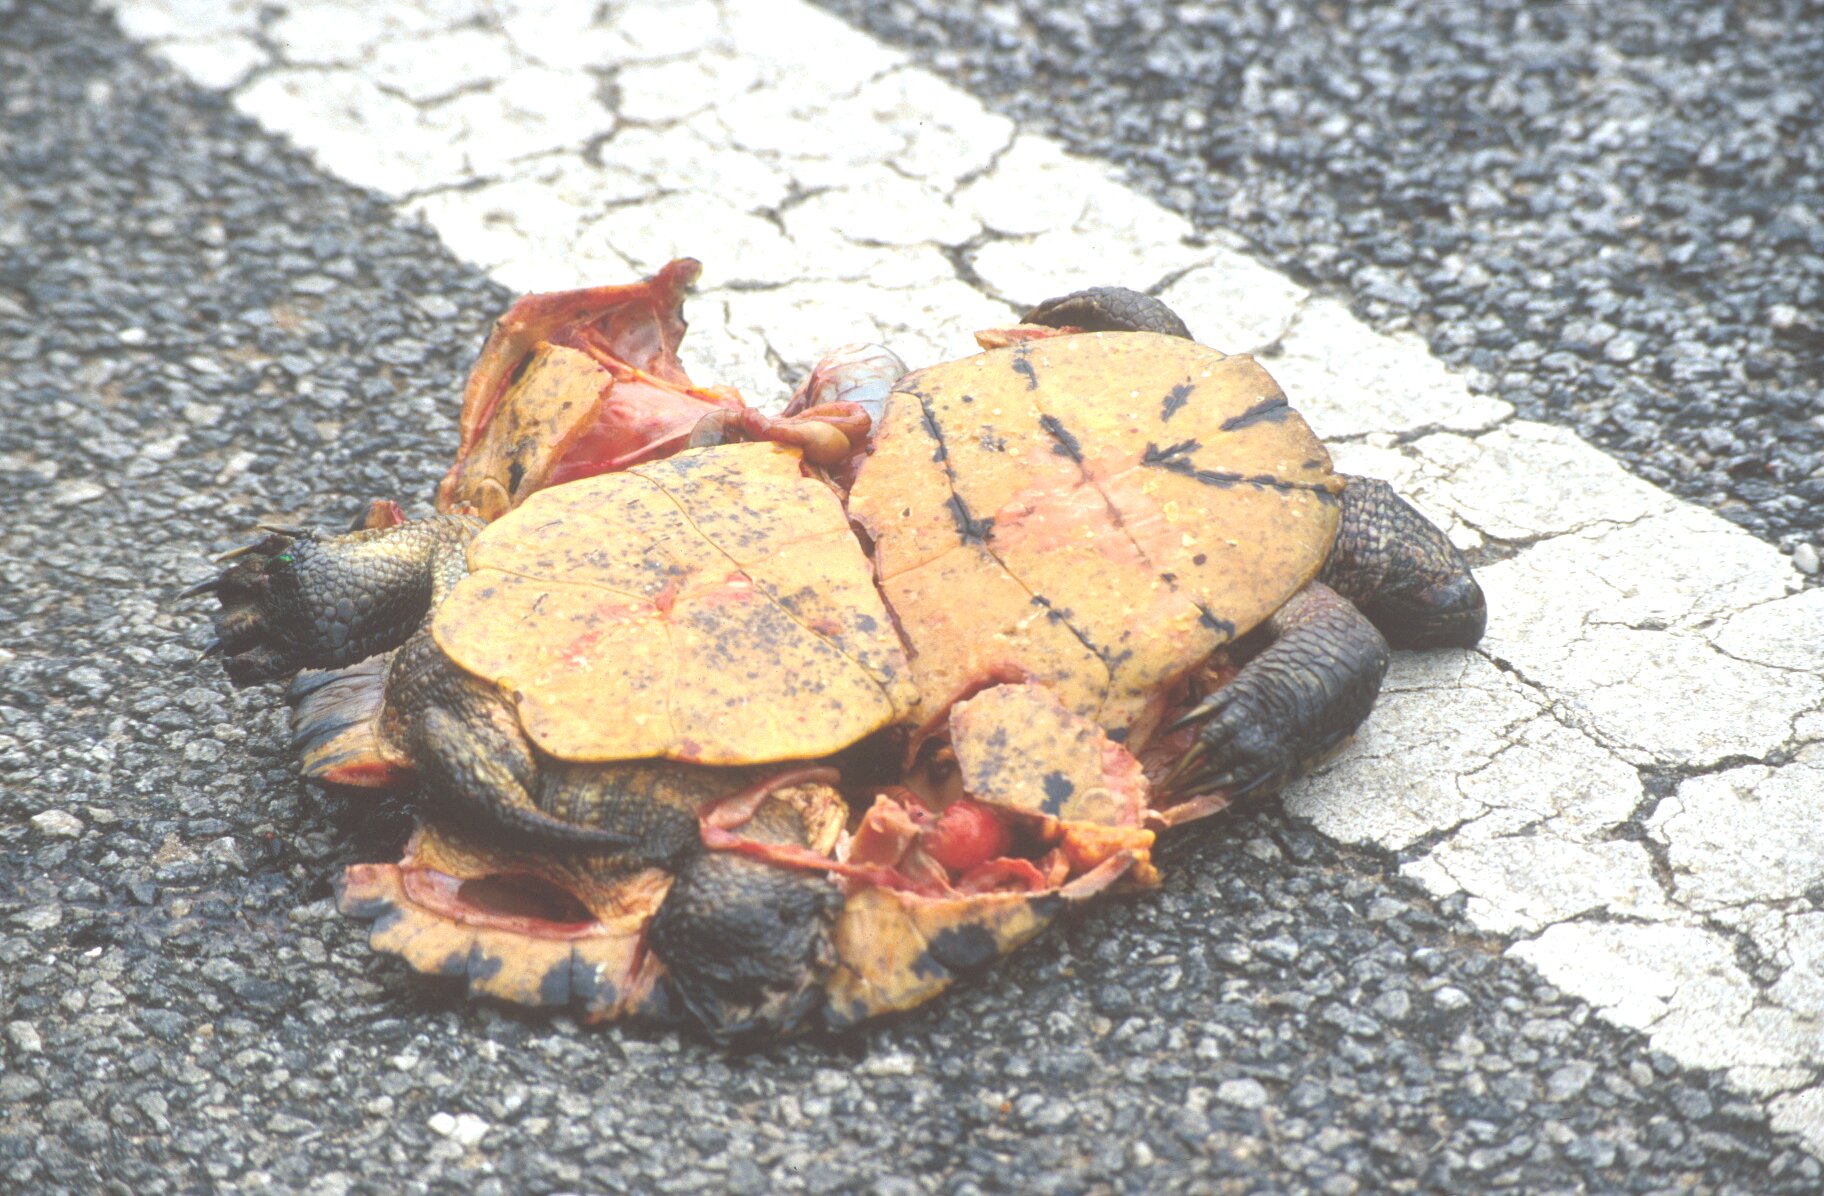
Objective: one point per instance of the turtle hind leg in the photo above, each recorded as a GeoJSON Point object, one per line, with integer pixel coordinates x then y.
{"type": "Point", "coordinates": [479, 774]}
{"type": "Point", "coordinates": [299, 599]}
{"type": "Point", "coordinates": [1289, 707]}
{"type": "Point", "coordinates": [747, 944]}
{"type": "Point", "coordinates": [1108, 309]}
{"type": "Point", "coordinates": [1403, 572]}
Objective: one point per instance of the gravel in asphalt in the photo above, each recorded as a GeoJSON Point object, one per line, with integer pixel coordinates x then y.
{"type": "Point", "coordinates": [1611, 214]}
{"type": "Point", "coordinates": [197, 330]}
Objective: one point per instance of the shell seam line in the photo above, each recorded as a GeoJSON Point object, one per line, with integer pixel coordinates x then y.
{"type": "Point", "coordinates": [773, 598]}
{"type": "Point", "coordinates": [1033, 597]}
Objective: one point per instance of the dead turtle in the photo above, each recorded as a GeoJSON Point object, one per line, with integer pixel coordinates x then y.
{"type": "Point", "coordinates": [776, 721]}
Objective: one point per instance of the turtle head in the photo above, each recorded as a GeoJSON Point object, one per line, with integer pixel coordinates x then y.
{"type": "Point", "coordinates": [1439, 608]}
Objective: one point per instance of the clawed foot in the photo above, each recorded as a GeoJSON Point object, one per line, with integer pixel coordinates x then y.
{"type": "Point", "coordinates": [250, 628]}
{"type": "Point", "coordinates": [1238, 748]}
{"type": "Point", "coordinates": [1291, 706]}
{"type": "Point", "coordinates": [300, 599]}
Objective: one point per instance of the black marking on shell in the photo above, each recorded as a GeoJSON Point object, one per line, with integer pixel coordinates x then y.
{"type": "Point", "coordinates": [591, 989]}
{"type": "Point", "coordinates": [1176, 458]}
{"type": "Point", "coordinates": [1175, 399]}
{"type": "Point", "coordinates": [554, 986]}
{"type": "Point", "coordinates": [483, 966]}
{"type": "Point", "coordinates": [964, 948]}
{"type": "Point", "coordinates": [971, 529]}
{"type": "Point", "coordinates": [1210, 619]}
{"type": "Point", "coordinates": [456, 963]}
{"type": "Point", "coordinates": [1172, 452]}
{"type": "Point", "coordinates": [390, 915]}
{"type": "Point", "coordinates": [1058, 789]}
{"type": "Point", "coordinates": [942, 452]}
{"type": "Point", "coordinates": [1022, 365]}
{"type": "Point", "coordinates": [928, 967]}
{"type": "Point", "coordinates": [370, 908]}
{"type": "Point", "coordinates": [1268, 411]}
{"type": "Point", "coordinates": [1064, 444]}
{"type": "Point", "coordinates": [516, 473]}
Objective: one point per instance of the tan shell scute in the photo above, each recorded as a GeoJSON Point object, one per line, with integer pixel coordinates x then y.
{"type": "Point", "coordinates": [601, 966]}
{"type": "Point", "coordinates": [713, 607]}
{"type": "Point", "coordinates": [1095, 512]}
{"type": "Point", "coordinates": [1018, 747]}
{"type": "Point", "coordinates": [550, 402]}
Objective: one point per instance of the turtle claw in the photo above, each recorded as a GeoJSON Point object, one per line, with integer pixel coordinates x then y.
{"type": "Point", "coordinates": [1236, 748]}
{"type": "Point", "coordinates": [1230, 784]}
{"type": "Point", "coordinates": [244, 550]}
{"type": "Point", "coordinates": [202, 587]}
{"type": "Point", "coordinates": [1210, 708]}
{"type": "Point", "coordinates": [209, 649]}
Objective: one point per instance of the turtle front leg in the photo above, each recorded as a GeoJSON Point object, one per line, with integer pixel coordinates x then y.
{"type": "Point", "coordinates": [1401, 570]}
{"type": "Point", "coordinates": [1289, 707]}
{"type": "Point", "coordinates": [301, 599]}
{"type": "Point", "coordinates": [1108, 309]}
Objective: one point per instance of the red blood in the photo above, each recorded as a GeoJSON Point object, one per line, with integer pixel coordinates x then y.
{"type": "Point", "coordinates": [964, 835]}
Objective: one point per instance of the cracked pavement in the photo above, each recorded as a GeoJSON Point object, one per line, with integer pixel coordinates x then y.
{"type": "Point", "coordinates": [1614, 787]}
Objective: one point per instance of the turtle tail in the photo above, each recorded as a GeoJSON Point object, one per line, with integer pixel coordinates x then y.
{"type": "Point", "coordinates": [335, 726]}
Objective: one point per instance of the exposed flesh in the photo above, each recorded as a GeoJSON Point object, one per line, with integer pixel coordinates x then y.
{"type": "Point", "coordinates": [573, 384]}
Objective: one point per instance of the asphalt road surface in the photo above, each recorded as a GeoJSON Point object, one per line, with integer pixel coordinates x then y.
{"type": "Point", "coordinates": [201, 326]}
{"type": "Point", "coordinates": [1612, 214]}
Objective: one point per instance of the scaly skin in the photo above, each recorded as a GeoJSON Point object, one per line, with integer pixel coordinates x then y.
{"type": "Point", "coordinates": [751, 941]}
{"type": "Point", "coordinates": [295, 601]}
{"type": "Point", "coordinates": [1401, 570]}
{"type": "Point", "coordinates": [747, 944]}
{"type": "Point", "coordinates": [1292, 705]}
{"type": "Point", "coordinates": [314, 601]}
{"type": "Point", "coordinates": [1392, 577]}
{"type": "Point", "coordinates": [1108, 309]}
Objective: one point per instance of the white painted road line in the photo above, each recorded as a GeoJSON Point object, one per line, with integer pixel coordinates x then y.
{"type": "Point", "coordinates": [836, 192]}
